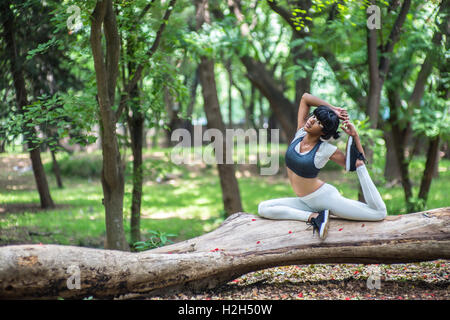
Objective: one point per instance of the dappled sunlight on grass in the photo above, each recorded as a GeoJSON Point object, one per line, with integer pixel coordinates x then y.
{"type": "Point", "coordinates": [387, 196]}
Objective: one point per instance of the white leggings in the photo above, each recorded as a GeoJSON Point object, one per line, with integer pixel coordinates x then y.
{"type": "Point", "coordinates": [328, 197]}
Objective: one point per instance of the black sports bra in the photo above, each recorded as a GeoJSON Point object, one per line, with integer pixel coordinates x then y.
{"type": "Point", "coordinates": [302, 165]}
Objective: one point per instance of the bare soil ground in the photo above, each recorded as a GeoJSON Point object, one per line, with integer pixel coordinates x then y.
{"type": "Point", "coordinates": [412, 281]}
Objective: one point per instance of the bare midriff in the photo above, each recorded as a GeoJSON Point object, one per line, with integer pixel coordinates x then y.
{"type": "Point", "coordinates": [303, 186]}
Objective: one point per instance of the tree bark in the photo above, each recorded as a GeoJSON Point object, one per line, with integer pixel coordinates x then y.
{"type": "Point", "coordinates": [430, 165]}
{"type": "Point", "coordinates": [190, 109]}
{"type": "Point", "coordinates": [229, 70]}
{"type": "Point", "coordinates": [106, 71]}
{"type": "Point", "coordinates": [21, 100]}
{"type": "Point", "coordinates": [136, 127]}
{"type": "Point", "coordinates": [56, 171]}
{"type": "Point", "coordinates": [135, 120]}
{"type": "Point", "coordinates": [230, 187]}
{"type": "Point", "coordinates": [243, 243]}
{"type": "Point", "coordinates": [391, 167]}
{"type": "Point", "coordinates": [399, 145]}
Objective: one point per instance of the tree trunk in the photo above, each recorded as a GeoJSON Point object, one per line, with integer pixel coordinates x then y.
{"type": "Point", "coordinates": [190, 109]}
{"type": "Point", "coordinates": [40, 177]}
{"type": "Point", "coordinates": [137, 118]}
{"type": "Point", "coordinates": [430, 165]}
{"type": "Point", "coordinates": [112, 175]}
{"type": "Point", "coordinates": [250, 110]}
{"type": "Point", "coordinates": [230, 187]}
{"type": "Point", "coordinates": [56, 171]}
{"type": "Point", "coordinates": [402, 161]}
{"type": "Point", "coordinates": [229, 69]}
{"type": "Point", "coordinates": [136, 127]}
{"type": "Point", "coordinates": [21, 100]}
{"type": "Point", "coordinates": [242, 244]}
{"type": "Point", "coordinates": [391, 167]}
{"type": "Point", "coordinates": [261, 110]}
{"type": "Point", "coordinates": [172, 113]}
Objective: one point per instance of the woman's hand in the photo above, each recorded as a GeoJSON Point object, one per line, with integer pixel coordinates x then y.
{"type": "Point", "coordinates": [341, 113]}
{"type": "Point", "coordinates": [349, 128]}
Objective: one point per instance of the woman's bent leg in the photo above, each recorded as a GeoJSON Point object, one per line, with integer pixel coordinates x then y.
{"type": "Point", "coordinates": [285, 209]}
{"type": "Point", "coordinates": [355, 210]}
{"type": "Point", "coordinates": [330, 198]}
{"type": "Point", "coordinates": [370, 192]}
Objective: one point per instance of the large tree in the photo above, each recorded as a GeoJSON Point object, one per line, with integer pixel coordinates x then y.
{"type": "Point", "coordinates": [230, 188]}
{"type": "Point", "coordinates": [106, 71]}
{"type": "Point", "coordinates": [16, 60]}
{"type": "Point", "coordinates": [130, 101]}
{"type": "Point", "coordinates": [401, 120]}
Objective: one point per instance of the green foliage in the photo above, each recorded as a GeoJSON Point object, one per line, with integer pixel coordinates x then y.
{"type": "Point", "coordinates": [75, 166]}
{"type": "Point", "coordinates": [433, 117]}
{"type": "Point", "coordinates": [155, 169]}
{"type": "Point", "coordinates": [415, 204]}
{"type": "Point", "coordinates": [366, 133]}
{"type": "Point", "coordinates": [43, 47]}
{"type": "Point", "coordinates": [345, 9]}
{"type": "Point", "coordinates": [156, 239]}
{"type": "Point", "coordinates": [60, 116]}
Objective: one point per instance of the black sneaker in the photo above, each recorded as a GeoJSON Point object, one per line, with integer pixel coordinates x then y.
{"type": "Point", "coordinates": [352, 155]}
{"type": "Point", "coordinates": [320, 223]}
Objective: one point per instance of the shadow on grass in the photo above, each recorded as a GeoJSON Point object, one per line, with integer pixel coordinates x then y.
{"type": "Point", "coordinates": [17, 208]}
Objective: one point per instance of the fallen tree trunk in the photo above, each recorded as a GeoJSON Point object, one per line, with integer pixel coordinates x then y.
{"type": "Point", "coordinates": [243, 243]}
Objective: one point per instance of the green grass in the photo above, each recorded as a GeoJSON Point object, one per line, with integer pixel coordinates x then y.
{"type": "Point", "coordinates": [189, 207]}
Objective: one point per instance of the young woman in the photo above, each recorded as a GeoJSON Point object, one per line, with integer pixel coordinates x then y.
{"type": "Point", "coordinates": [308, 152]}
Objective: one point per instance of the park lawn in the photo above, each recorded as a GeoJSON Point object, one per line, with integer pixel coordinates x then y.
{"type": "Point", "coordinates": [187, 206]}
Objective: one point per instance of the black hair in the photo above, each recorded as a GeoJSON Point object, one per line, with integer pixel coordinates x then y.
{"type": "Point", "coordinates": [329, 120]}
